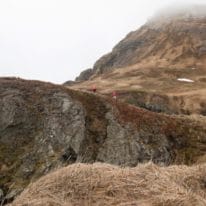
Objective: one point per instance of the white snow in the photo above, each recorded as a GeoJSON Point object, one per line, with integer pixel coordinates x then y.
{"type": "Point", "coordinates": [185, 80]}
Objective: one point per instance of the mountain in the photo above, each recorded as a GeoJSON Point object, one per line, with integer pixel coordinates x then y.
{"type": "Point", "coordinates": [52, 136]}
{"type": "Point", "coordinates": [44, 127]}
{"type": "Point", "coordinates": [161, 66]}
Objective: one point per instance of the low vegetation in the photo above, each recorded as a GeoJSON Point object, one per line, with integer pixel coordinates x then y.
{"type": "Point", "coordinates": [103, 184]}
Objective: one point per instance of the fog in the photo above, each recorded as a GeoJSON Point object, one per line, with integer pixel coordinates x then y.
{"type": "Point", "coordinates": [54, 40]}
{"type": "Point", "coordinates": [182, 9]}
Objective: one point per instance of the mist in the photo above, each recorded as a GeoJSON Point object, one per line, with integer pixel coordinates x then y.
{"type": "Point", "coordinates": [182, 9]}
{"type": "Point", "coordinates": [54, 40]}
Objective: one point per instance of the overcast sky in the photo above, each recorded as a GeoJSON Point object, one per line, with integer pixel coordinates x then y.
{"type": "Point", "coordinates": [54, 40]}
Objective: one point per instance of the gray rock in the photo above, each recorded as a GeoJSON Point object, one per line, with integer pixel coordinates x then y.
{"type": "Point", "coordinates": [85, 75]}
{"type": "Point", "coordinates": [37, 125]}
{"type": "Point", "coordinates": [202, 49]}
{"type": "Point", "coordinates": [69, 83]}
{"type": "Point", "coordinates": [127, 147]}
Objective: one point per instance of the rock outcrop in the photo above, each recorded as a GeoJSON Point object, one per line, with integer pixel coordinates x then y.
{"type": "Point", "coordinates": [85, 75]}
{"type": "Point", "coordinates": [45, 126]}
{"type": "Point", "coordinates": [39, 123]}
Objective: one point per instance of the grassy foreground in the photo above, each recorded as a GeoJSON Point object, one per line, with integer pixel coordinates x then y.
{"type": "Point", "coordinates": [103, 184]}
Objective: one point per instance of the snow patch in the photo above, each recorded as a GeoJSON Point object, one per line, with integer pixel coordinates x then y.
{"type": "Point", "coordinates": [185, 80]}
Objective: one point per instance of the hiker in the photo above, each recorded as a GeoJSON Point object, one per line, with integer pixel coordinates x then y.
{"type": "Point", "coordinates": [114, 95]}
{"type": "Point", "coordinates": [94, 89]}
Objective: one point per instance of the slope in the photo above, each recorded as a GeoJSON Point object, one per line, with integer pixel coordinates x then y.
{"type": "Point", "coordinates": [45, 126]}
{"type": "Point", "coordinates": [151, 62]}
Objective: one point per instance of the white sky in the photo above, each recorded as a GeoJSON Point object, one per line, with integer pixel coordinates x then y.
{"type": "Point", "coordinates": [54, 40]}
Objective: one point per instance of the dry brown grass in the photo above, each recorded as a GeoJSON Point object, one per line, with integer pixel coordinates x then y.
{"type": "Point", "coordinates": [103, 184]}
{"type": "Point", "coordinates": [161, 79]}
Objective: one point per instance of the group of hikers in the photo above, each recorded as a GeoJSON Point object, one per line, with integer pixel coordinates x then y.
{"type": "Point", "coordinates": [114, 93]}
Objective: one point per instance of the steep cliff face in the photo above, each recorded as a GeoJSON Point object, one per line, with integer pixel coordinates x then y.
{"type": "Point", "coordinates": [45, 126]}
{"type": "Point", "coordinates": [39, 127]}
{"type": "Point", "coordinates": [165, 58]}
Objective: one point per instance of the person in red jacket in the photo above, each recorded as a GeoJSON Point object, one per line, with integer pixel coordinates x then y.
{"type": "Point", "coordinates": [114, 95]}
{"type": "Point", "coordinates": [94, 88]}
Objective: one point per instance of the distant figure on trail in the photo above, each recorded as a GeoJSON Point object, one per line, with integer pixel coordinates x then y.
{"type": "Point", "coordinates": [94, 88]}
{"type": "Point", "coordinates": [114, 95]}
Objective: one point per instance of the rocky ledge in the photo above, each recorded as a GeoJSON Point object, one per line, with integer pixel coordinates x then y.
{"type": "Point", "coordinates": [45, 126]}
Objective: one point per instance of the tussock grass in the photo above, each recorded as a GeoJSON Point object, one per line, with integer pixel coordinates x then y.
{"type": "Point", "coordinates": [103, 184]}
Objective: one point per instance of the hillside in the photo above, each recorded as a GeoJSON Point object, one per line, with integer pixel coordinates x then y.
{"type": "Point", "coordinates": [65, 145]}
{"type": "Point", "coordinates": [44, 127]}
{"type": "Point", "coordinates": [161, 66]}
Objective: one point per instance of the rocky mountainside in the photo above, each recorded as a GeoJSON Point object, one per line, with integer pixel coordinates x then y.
{"type": "Point", "coordinates": [172, 41]}
{"type": "Point", "coordinates": [45, 126]}
{"type": "Point", "coordinates": [169, 38]}
{"type": "Point", "coordinates": [161, 66]}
